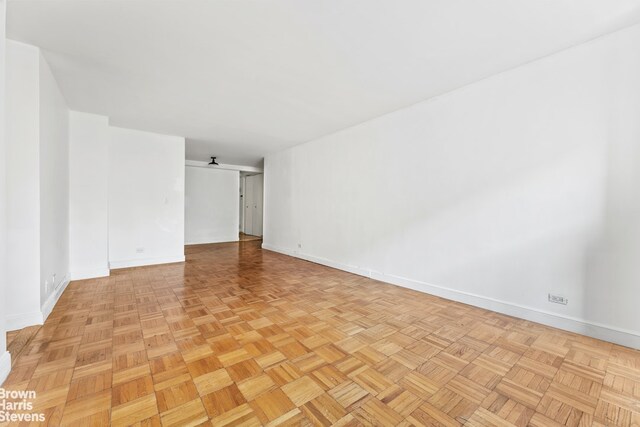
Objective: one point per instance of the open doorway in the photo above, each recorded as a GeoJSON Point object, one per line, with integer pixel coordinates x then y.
{"type": "Point", "coordinates": [251, 198]}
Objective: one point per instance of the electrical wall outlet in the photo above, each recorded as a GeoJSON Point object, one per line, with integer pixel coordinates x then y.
{"type": "Point", "coordinates": [557, 299]}
{"type": "Point", "coordinates": [139, 250]}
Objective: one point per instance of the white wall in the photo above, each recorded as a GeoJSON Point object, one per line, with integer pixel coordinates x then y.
{"type": "Point", "coordinates": [54, 188]}
{"type": "Point", "coordinates": [37, 168]}
{"type": "Point", "coordinates": [88, 194]}
{"type": "Point", "coordinates": [495, 194]}
{"type": "Point", "coordinates": [211, 205]}
{"type": "Point", "coordinates": [146, 198]}
{"type": "Point", "coordinates": [23, 185]}
{"type": "Point", "coordinates": [57, 200]}
{"type": "Point", "coordinates": [5, 358]}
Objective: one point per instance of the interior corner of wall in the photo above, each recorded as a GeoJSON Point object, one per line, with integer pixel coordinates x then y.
{"type": "Point", "coordinates": [51, 301]}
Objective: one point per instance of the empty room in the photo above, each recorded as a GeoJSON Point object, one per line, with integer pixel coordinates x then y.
{"type": "Point", "coordinates": [320, 213]}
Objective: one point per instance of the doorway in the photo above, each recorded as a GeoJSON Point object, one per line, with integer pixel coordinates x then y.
{"type": "Point", "coordinates": [251, 196]}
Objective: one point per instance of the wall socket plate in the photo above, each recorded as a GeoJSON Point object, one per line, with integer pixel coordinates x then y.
{"type": "Point", "coordinates": [557, 299]}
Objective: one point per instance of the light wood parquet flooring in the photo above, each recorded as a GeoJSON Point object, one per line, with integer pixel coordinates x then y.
{"type": "Point", "coordinates": [18, 340]}
{"type": "Point", "coordinates": [241, 336]}
{"type": "Point", "coordinates": [248, 237]}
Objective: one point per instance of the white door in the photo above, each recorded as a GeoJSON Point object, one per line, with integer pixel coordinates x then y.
{"type": "Point", "coordinates": [253, 187]}
{"type": "Point", "coordinates": [241, 205]}
{"type": "Point", "coordinates": [258, 183]}
{"type": "Point", "coordinates": [248, 205]}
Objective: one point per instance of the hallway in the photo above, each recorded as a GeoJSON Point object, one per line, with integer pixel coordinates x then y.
{"type": "Point", "coordinates": [239, 335]}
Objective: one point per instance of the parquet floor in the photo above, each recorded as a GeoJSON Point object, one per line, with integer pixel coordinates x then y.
{"type": "Point", "coordinates": [248, 237]}
{"type": "Point", "coordinates": [18, 340]}
{"type": "Point", "coordinates": [241, 336]}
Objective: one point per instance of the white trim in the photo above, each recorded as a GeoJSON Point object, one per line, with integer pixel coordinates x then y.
{"type": "Point", "coordinates": [601, 331]}
{"type": "Point", "coordinates": [48, 305]}
{"type": "Point", "coordinates": [203, 241]}
{"type": "Point", "coordinates": [22, 320]}
{"type": "Point", "coordinates": [90, 273]}
{"type": "Point", "coordinates": [5, 366]}
{"type": "Point", "coordinates": [241, 168]}
{"type": "Point", "coordinates": [147, 261]}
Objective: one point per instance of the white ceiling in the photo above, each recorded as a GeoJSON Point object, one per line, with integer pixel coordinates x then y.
{"type": "Point", "coordinates": [242, 78]}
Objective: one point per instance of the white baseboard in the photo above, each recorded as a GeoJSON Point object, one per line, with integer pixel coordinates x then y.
{"type": "Point", "coordinates": [204, 241]}
{"type": "Point", "coordinates": [604, 332]}
{"type": "Point", "coordinates": [90, 273]}
{"type": "Point", "coordinates": [5, 366]}
{"type": "Point", "coordinates": [48, 305]}
{"type": "Point", "coordinates": [22, 320]}
{"type": "Point", "coordinates": [143, 262]}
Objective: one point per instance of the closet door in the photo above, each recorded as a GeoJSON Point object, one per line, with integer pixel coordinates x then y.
{"type": "Point", "coordinates": [248, 205]}
{"type": "Point", "coordinates": [258, 183]}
